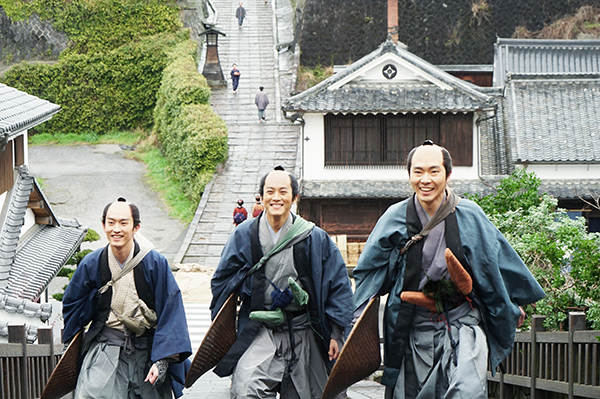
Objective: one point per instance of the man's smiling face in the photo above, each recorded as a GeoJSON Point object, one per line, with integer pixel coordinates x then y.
{"type": "Point", "coordinates": [428, 177]}
{"type": "Point", "coordinates": [119, 227]}
{"type": "Point", "coordinates": [277, 194]}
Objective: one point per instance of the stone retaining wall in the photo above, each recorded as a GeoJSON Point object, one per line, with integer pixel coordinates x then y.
{"type": "Point", "coordinates": [32, 39]}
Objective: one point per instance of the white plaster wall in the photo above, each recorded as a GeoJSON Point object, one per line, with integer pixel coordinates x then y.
{"type": "Point", "coordinates": [404, 74]}
{"type": "Point", "coordinates": [29, 222]}
{"type": "Point", "coordinates": [567, 172]}
{"type": "Point", "coordinates": [314, 160]}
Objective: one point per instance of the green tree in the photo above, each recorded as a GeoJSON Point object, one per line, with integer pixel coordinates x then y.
{"type": "Point", "coordinates": [559, 251]}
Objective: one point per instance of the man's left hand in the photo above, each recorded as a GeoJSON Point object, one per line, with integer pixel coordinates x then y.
{"type": "Point", "coordinates": [158, 372]}
{"type": "Point", "coordinates": [152, 374]}
{"type": "Point", "coordinates": [334, 350]}
{"type": "Point", "coordinates": [521, 318]}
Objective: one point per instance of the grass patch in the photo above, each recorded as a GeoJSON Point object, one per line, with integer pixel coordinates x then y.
{"type": "Point", "coordinates": [128, 138]}
{"type": "Point", "coordinates": [178, 204]}
{"type": "Point", "coordinates": [308, 77]}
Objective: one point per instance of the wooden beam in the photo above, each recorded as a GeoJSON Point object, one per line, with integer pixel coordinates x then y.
{"type": "Point", "coordinates": [47, 220]}
{"type": "Point", "coordinates": [35, 205]}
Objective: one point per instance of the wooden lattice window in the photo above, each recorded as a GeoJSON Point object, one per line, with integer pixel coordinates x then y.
{"type": "Point", "coordinates": [365, 140]}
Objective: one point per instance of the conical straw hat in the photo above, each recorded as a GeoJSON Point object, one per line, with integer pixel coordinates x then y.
{"type": "Point", "coordinates": [63, 379]}
{"type": "Point", "coordinates": [219, 338]}
{"type": "Point", "coordinates": [360, 356]}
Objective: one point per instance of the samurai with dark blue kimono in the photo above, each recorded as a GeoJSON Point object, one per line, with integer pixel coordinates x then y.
{"type": "Point", "coordinates": [138, 343]}
{"type": "Point", "coordinates": [295, 294]}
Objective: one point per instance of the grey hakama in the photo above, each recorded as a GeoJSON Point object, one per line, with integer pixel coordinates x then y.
{"type": "Point", "coordinates": [266, 364]}
{"type": "Point", "coordinates": [428, 370]}
{"type": "Point", "coordinates": [108, 369]}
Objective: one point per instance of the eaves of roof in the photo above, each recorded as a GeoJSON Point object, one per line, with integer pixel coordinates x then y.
{"type": "Point", "coordinates": [537, 56]}
{"type": "Point", "coordinates": [40, 257]}
{"type": "Point", "coordinates": [20, 111]}
{"type": "Point", "coordinates": [330, 189]}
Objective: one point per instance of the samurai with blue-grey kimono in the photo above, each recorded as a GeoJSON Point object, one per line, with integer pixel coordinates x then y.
{"type": "Point", "coordinates": [296, 299]}
{"type": "Point", "coordinates": [456, 287]}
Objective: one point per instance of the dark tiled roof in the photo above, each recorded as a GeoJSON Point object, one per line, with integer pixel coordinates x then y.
{"type": "Point", "coordinates": [561, 189]}
{"type": "Point", "coordinates": [389, 97]}
{"type": "Point", "coordinates": [495, 147]}
{"type": "Point", "coordinates": [383, 97]}
{"type": "Point", "coordinates": [554, 120]}
{"type": "Point", "coordinates": [380, 188]}
{"type": "Point", "coordinates": [20, 111]}
{"type": "Point", "coordinates": [40, 258]}
{"type": "Point", "coordinates": [28, 264]}
{"type": "Point", "coordinates": [552, 57]}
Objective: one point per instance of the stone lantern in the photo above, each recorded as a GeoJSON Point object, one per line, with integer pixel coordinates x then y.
{"type": "Point", "coordinates": [212, 67]}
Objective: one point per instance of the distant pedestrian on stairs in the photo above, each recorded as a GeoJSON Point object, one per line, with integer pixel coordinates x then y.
{"type": "Point", "coordinates": [240, 14]}
{"type": "Point", "coordinates": [257, 208]}
{"type": "Point", "coordinates": [239, 213]}
{"type": "Point", "coordinates": [261, 100]}
{"type": "Point", "coordinates": [235, 78]}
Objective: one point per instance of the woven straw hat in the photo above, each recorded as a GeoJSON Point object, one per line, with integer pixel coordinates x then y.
{"type": "Point", "coordinates": [63, 379]}
{"type": "Point", "coordinates": [360, 356]}
{"type": "Point", "coordinates": [219, 338]}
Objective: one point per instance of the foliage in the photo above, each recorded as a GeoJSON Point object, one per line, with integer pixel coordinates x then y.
{"type": "Point", "coordinates": [100, 92]}
{"type": "Point", "coordinates": [558, 250]}
{"type": "Point", "coordinates": [192, 137]}
{"type": "Point", "coordinates": [585, 23]}
{"type": "Point", "coordinates": [85, 22]}
{"type": "Point", "coordinates": [113, 137]}
{"type": "Point", "coordinates": [518, 191]}
{"type": "Point", "coordinates": [308, 77]}
{"type": "Point", "coordinates": [90, 236]}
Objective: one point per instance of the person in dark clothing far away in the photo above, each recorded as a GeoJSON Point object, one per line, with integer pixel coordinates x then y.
{"type": "Point", "coordinates": [240, 14]}
{"type": "Point", "coordinates": [261, 100]}
{"type": "Point", "coordinates": [235, 77]}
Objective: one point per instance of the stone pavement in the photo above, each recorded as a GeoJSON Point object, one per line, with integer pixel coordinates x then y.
{"type": "Point", "coordinates": [254, 148]}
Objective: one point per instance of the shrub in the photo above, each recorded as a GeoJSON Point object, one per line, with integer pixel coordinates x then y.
{"type": "Point", "coordinates": [561, 254]}
{"type": "Point", "coordinates": [100, 25]}
{"type": "Point", "coordinates": [192, 137]}
{"type": "Point", "coordinates": [103, 91]}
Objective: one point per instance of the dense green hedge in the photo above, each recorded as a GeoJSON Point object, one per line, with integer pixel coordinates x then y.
{"type": "Point", "coordinates": [193, 138]}
{"type": "Point", "coordinates": [102, 91]}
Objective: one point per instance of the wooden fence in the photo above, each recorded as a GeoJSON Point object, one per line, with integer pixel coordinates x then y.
{"type": "Point", "coordinates": [545, 364]}
{"type": "Point", "coordinates": [25, 368]}
{"type": "Point", "coordinates": [553, 364]}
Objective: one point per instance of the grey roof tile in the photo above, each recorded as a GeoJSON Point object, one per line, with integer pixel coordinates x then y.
{"type": "Point", "coordinates": [554, 120]}
{"type": "Point", "coordinates": [390, 96]}
{"type": "Point", "coordinates": [40, 258]}
{"type": "Point", "coordinates": [550, 57]}
{"type": "Point", "coordinates": [20, 111]}
{"type": "Point", "coordinates": [562, 189]}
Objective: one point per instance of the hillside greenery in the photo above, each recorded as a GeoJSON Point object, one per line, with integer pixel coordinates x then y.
{"type": "Point", "coordinates": [123, 56]}
{"type": "Point", "coordinates": [562, 255]}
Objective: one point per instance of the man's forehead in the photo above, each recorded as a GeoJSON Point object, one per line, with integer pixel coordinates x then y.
{"type": "Point", "coordinates": [428, 155]}
{"type": "Point", "coordinates": [278, 179]}
{"type": "Point", "coordinates": [119, 211]}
